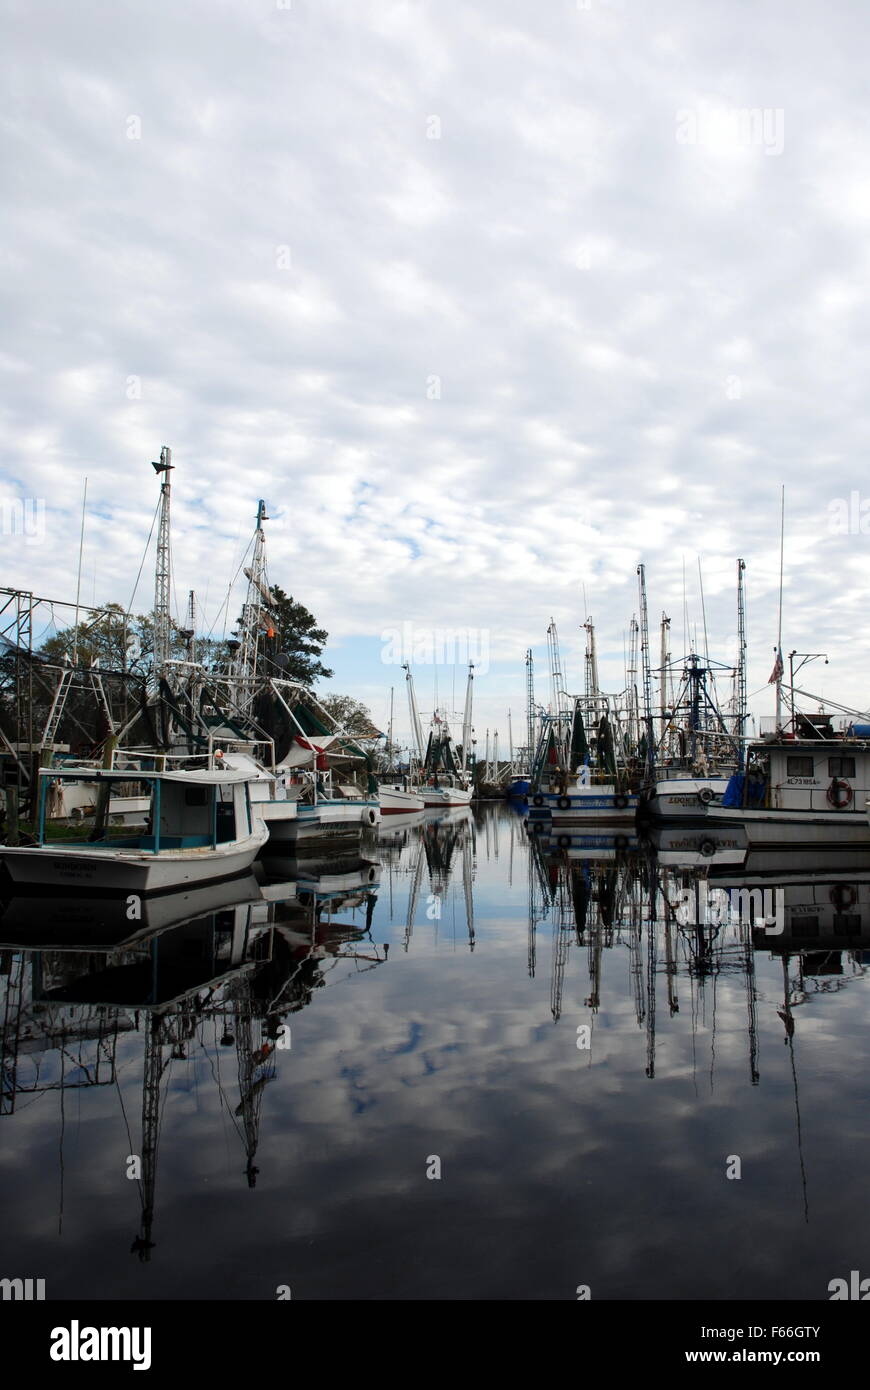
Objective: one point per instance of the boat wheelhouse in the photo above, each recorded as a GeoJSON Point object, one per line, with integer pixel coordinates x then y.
{"type": "Point", "coordinates": [202, 825]}
{"type": "Point", "coordinates": [799, 791]}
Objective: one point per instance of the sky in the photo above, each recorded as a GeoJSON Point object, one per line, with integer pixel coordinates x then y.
{"type": "Point", "coordinates": [490, 302]}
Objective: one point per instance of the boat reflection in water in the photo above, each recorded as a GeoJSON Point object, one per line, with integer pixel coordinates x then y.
{"type": "Point", "coordinates": [194, 974]}
{"type": "Point", "coordinates": [610, 994]}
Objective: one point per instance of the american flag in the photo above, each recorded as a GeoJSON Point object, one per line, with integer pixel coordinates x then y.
{"type": "Point", "coordinates": [776, 673]}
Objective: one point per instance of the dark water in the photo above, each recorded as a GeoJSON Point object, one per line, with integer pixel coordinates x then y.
{"type": "Point", "coordinates": [433, 1008]}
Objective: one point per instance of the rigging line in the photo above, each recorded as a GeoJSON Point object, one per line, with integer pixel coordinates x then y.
{"type": "Point", "coordinates": [127, 1127]}
{"type": "Point", "coordinates": [225, 604]}
{"type": "Point", "coordinates": [221, 1092]}
{"type": "Point", "coordinates": [144, 557]}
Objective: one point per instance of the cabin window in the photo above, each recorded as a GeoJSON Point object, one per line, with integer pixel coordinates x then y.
{"type": "Point", "coordinates": [196, 796]}
{"type": "Point", "coordinates": [800, 766]}
{"type": "Point", "coordinates": [841, 767]}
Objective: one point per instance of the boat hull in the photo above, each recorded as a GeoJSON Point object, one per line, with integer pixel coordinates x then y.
{"type": "Point", "coordinates": [688, 798]}
{"type": "Point", "coordinates": [441, 797]}
{"type": "Point", "coordinates": [786, 829]}
{"type": "Point", "coordinates": [326, 819]}
{"type": "Point", "coordinates": [129, 871]}
{"type": "Point", "coordinates": [396, 801]}
{"type": "Point", "coordinates": [593, 805]}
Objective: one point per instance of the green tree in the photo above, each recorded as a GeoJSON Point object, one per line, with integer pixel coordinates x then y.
{"type": "Point", "coordinates": [350, 714]}
{"type": "Point", "coordinates": [298, 641]}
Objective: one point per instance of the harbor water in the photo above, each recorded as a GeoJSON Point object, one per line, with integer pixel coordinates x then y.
{"type": "Point", "coordinates": [468, 1063]}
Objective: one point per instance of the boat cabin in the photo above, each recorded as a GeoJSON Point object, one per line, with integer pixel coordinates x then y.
{"type": "Point", "coordinates": [804, 774]}
{"type": "Point", "coordinates": [187, 810]}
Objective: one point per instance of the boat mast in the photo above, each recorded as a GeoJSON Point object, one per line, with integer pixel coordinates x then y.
{"type": "Point", "coordinates": [466, 717]}
{"type": "Point", "coordinates": [259, 597]}
{"type": "Point", "coordinates": [390, 735]}
{"type": "Point", "coordinates": [416, 726]}
{"type": "Point", "coordinates": [665, 659]}
{"type": "Point", "coordinates": [779, 667]}
{"type": "Point", "coordinates": [647, 673]}
{"type": "Point", "coordinates": [530, 705]}
{"type": "Point", "coordinates": [557, 680]}
{"type": "Point", "coordinates": [740, 721]}
{"type": "Point", "coordinates": [631, 679]}
{"type": "Point", "coordinates": [592, 687]}
{"type": "Point", "coordinates": [162, 573]}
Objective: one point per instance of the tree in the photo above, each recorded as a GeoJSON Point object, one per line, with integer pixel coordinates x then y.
{"type": "Point", "coordinates": [298, 641]}
{"type": "Point", "coordinates": [350, 715]}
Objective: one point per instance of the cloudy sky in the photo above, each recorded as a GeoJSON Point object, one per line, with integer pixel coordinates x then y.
{"type": "Point", "coordinates": [489, 302]}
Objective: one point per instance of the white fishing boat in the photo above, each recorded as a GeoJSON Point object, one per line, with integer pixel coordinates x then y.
{"type": "Point", "coordinates": [443, 779]}
{"type": "Point", "coordinates": [202, 826]}
{"type": "Point", "coordinates": [304, 798]}
{"type": "Point", "coordinates": [399, 798]}
{"type": "Point", "coordinates": [801, 791]}
{"type": "Point", "coordinates": [685, 797]}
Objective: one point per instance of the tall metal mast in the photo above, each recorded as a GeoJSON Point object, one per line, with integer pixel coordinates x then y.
{"type": "Point", "coordinates": [163, 572]}
{"type": "Point", "coordinates": [416, 726]}
{"type": "Point", "coordinates": [189, 631]}
{"type": "Point", "coordinates": [664, 702]}
{"type": "Point", "coordinates": [647, 673]}
{"type": "Point", "coordinates": [740, 722]}
{"type": "Point", "coordinates": [633, 722]}
{"type": "Point", "coordinates": [466, 718]}
{"type": "Point", "coordinates": [259, 599]}
{"type": "Point", "coordinates": [557, 680]}
{"type": "Point", "coordinates": [530, 704]}
{"type": "Point", "coordinates": [592, 687]}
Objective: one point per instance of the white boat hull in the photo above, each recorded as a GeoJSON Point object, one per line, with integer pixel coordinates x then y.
{"type": "Point", "coordinates": [439, 797]}
{"type": "Point", "coordinates": [772, 829]}
{"type": "Point", "coordinates": [326, 818]}
{"type": "Point", "coordinates": [686, 798]}
{"type": "Point", "coordinates": [397, 801]}
{"type": "Point", "coordinates": [129, 870]}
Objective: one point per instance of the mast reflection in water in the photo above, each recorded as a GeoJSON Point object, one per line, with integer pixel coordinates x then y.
{"type": "Point", "coordinates": [246, 1089]}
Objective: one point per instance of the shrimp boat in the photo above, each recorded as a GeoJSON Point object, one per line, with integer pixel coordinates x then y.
{"type": "Point", "coordinates": [202, 825]}
{"type": "Point", "coordinates": [583, 777]}
{"type": "Point", "coordinates": [801, 791]}
{"type": "Point", "coordinates": [396, 794]}
{"type": "Point", "coordinates": [397, 797]}
{"type": "Point", "coordinates": [696, 753]}
{"type": "Point", "coordinates": [443, 778]}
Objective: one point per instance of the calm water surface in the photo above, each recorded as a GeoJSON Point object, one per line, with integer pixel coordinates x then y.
{"type": "Point", "coordinates": [282, 1068]}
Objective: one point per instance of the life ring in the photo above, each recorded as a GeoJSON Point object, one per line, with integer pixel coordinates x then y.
{"type": "Point", "coordinates": [844, 896]}
{"type": "Point", "coordinates": [537, 799]}
{"type": "Point", "coordinates": [707, 847]}
{"type": "Point", "coordinates": [564, 803]}
{"type": "Point", "coordinates": [839, 794]}
{"type": "Point", "coordinates": [563, 841]}
{"type": "Point", "coordinates": [538, 826]}
{"type": "Point", "coordinates": [620, 801]}
{"type": "Point", "coordinates": [372, 817]}
{"type": "Point", "coordinates": [372, 872]}
{"type": "Point", "coordinates": [706, 795]}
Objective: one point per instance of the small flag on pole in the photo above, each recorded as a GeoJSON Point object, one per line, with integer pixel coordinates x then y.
{"type": "Point", "coordinates": [776, 673]}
